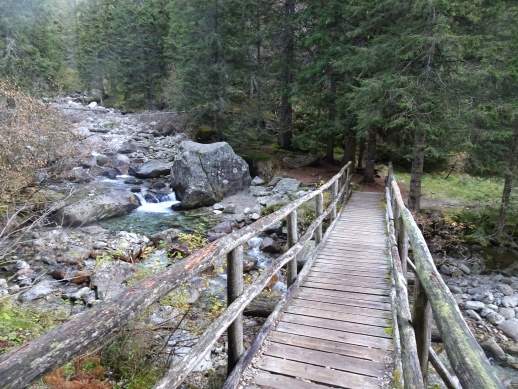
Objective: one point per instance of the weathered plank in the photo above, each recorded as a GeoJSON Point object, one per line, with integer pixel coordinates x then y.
{"type": "Point", "coordinates": [317, 373]}
{"type": "Point", "coordinates": [319, 344]}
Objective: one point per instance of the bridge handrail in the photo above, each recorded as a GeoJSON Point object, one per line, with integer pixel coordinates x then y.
{"type": "Point", "coordinates": [464, 353]}
{"type": "Point", "coordinates": [94, 327]}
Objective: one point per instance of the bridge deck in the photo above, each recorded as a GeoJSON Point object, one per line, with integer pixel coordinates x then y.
{"type": "Point", "coordinates": [336, 330]}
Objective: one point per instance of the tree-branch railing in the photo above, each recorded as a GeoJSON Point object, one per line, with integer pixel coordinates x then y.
{"type": "Point", "coordinates": [95, 327]}
{"type": "Point", "coordinates": [432, 299]}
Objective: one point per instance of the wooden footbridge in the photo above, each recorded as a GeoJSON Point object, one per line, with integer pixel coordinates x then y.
{"type": "Point", "coordinates": [345, 321]}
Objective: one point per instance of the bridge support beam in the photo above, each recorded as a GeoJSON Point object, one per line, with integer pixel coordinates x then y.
{"type": "Point", "coordinates": [319, 206]}
{"type": "Point", "coordinates": [334, 194]}
{"type": "Point", "coordinates": [293, 237]}
{"type": "Point", "coordinates": [234, 290]}
{"type": "Point", "coordinates": [422, 321]}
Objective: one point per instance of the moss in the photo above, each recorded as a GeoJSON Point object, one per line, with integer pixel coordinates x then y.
{"type": "Point", "coordinates": [396, 379]}
{"type": "Point", "coordinates": [20, 324]}
{"type": "Point", "coordinates": [178, 298]}
{"type": "Point", "coordinates": [193, 241]}
{"type": "Point", "coordinates": [389, 331]}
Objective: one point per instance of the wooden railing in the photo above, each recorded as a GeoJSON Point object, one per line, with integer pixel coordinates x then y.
{"type": "Point", "coordinates": [94, 327]}
{"type": "Point", "coordinates": [432, 300]}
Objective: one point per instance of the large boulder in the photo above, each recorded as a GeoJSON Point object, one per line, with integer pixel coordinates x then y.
{"type": "Point", "coordinates": [95, 202]}
{"type": "Point", "coordinates": [203, 174]}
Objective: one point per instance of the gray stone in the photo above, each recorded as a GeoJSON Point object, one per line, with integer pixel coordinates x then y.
{"type": "Point", "coordinates": [153, 169]}
{"type": "Point", "coordinates": [218, 207]}
{"type": "Point", "coordinates": [3, 283]}
{"type": "Point", "coordinates": [95, 202]}
{"type": "Point", "coordinates": [41, 289]}
{"type": "Point", "coordinates": [488, 298]}
{"type": "Point", "coordinates": [203, 174]}
{"type": "Point", "coordinates": [510, 301]}
{"type": "Point", "coordinates": [121, 162]}
{"type": "Point", "coordinates": [464, 268]}
{"type": "Point", "coordinates": [486, 311]}
{"type": "Point", "coordinates": [507, 313]}
{"type": "Point", "coordinates": [109, 278]}
{"type": "Point", "coordinates": [21, 265]}
{"type": "Point", "coordinates": [128, 148]}
{"type": "Point", "coordinates": [223, 227]}
{"type": "Point", "coordinates": [286, 185]}
{"type": "Point", "coordinates": [493, 349]}
{"type": "Point", "coordinates": [257, 181]}
{"type": "Point", "coordinates": [474, 305]}
{"type": "Point", "coordinates": [270, 245]}
{"type": "Point", "coordinates": [79, 294]}
{"type": "Point", "coordinates": [475, 316]}
{"type": "Point", "coordinates": [507, 290]}
{"type": "Point", "coordinates": [495, 318]}
{"type": "Point", "coordinates": [455, 289]}
{"type": "Point", "coordinates": [510, 328]}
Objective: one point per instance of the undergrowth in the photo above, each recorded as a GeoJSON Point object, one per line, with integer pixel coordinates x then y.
{"type": "Point", "coordinates": [20, 324]}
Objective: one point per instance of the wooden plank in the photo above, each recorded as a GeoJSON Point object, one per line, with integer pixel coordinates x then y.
{"type": "Point", "coordinates": [348, 281]}
{"type": "Point", "coordinates": [316, 373]}
{"type": "Point", "coordinates": [345, 294]}
{"type": "Point", "coordinates": [321, 262]}
{"type": "Point", "coordinates": [348, 268]}
{"type": "Point", "coordinates": [354, 328]}
{"type": "Point", "coordinates": [352, 273]}
{"type": "Point", "coordinates": [324, 359]}
{"type": "Point", "coordinates": [278, 381]}
{"type": "Point", "coordinates": [335, 335]}
{"type": "Point", "coordinates": [346, 288]}
{"type": "Point", "coordinates": [382, 280]}
{"type": "Point", "coordinates": [348, 309]}
{"type": "Point", "coordinates": [361, 352]}
{"type": "Point", "coordinates": [314, 297]}
{"type": "Point", "coordinates": [341, 315]}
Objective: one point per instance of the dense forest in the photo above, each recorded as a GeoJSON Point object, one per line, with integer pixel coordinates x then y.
{"type": "Point", "coordinates": [427, 84]}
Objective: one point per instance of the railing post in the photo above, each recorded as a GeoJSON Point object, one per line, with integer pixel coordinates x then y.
{"type": "Point", "coordinates": [422, 322]}
{"type": "Point", "coordinates": [402, 243]}
{"type": "Point", "coordinates": [319, 200]}
{"type": "Point", "coordinates": [234, 290]}
{"type": "Point", "coordinates": [334, 194]}
{"type": "Point", "coordinates": [293, 237]}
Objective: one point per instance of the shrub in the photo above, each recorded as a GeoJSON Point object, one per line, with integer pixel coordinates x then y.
{"type": "Point", "coordinates": [33, 137]}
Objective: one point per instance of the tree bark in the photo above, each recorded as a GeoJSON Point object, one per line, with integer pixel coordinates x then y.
{"type": "Point", "coordinates": [368, 175]}
{"type": "Point", "coordinates": [414, 195]}
{"type": "Point", "coordinates": [330, 157]}
{"type": "Point", "coordinates": [508, 184]}
{"type": "Point", "coordinates": [361, 155]}
{"type": "Point", "coordinates": [349, 147]}
{"type": "Point", "coordinates": [286, 125]}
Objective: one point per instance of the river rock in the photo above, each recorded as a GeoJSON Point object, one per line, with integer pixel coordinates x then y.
{"type": "Point", "coordinates": [109, 278]}
{"type": "Point", "coordinates": [203, 174]}
{"type": "Point", "coordinates": [510, 328]}
{"type": "Point", "coordinates": [95, 202]}
{"type": "Point", "coordinates": [474, 305]}
{"type": "Point", "coordinates": [121, 162]}
{"type": "Point", "coordinates": [493, 349]}
{"type": "Point", "coordinates": [269, 245]}
{"type": "Point", "coordinates": [257, 181]}
{"type": "Point", "coordinates": [507, 290]}
{"type": "Point", "coordinates": [41, 289]}
{"type": "Point", "coordinates": [495, 318]}
{"type": "Point", "coordinates": [153, 169]}
{"type": "Point", "coordinates": [286, 185]}
{"type": "Point", "coordinates": [475, 316]}
{"type": "Point", "coordinates": [128, 148]}
{"type": "Point", "coordinates": [510, 301]}
{"type": "Point", "coordinates": [507, 313]}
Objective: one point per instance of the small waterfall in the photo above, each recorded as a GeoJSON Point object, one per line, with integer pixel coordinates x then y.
{"type": "Point", "coordinates": [159, 204]}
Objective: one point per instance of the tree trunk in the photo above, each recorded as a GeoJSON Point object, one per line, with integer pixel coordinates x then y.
{"type": "Point", "coordinates": [508, 184]}
{"type": "Point", "coordinates": [349, 147]}
{"type": "Point", "coordinates": [361, 155]}
{"type": "Point", "coordinates": [368, 175]}
{"type": "Point", "coordinates": [286, 125]}
{"type": "Point", "coordinates": [414, 195]}
{"type": "Point", "coordinates": [331, 117]}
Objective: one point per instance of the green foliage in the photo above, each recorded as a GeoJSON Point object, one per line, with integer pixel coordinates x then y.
{"type": "Point", "coordinates": [458, 187]}
{"type": "Point", "coordinates": [21, 324]}
{"type": "Point", "coordinates": [192, 241]}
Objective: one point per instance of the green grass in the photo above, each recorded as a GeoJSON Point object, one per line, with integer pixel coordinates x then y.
{"type": "Point", "coordinates": [460, 187]}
